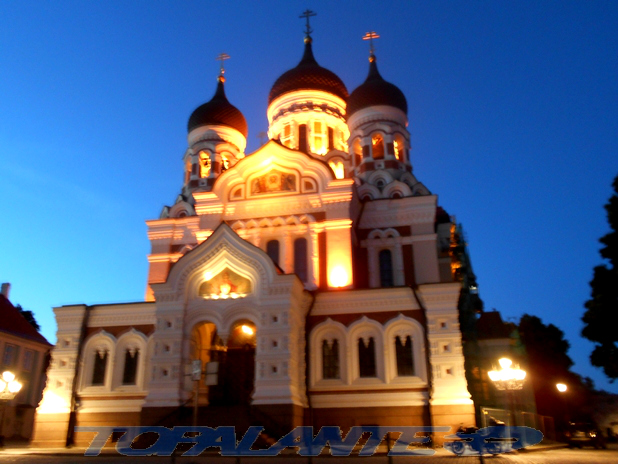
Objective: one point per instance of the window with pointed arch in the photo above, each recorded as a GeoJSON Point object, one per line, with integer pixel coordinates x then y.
{"type": "Point", "coordinates": [272, 250]}
{"type": "Point", "coordinates": [377, 146]}
{"type": "Point", "coordinates": [330, 359]}
{"type": "Point", "coordinates": [404, 356]}
{"type": "Point", "coordinates": [129, 373]}
{"type": "Point", "coordinates": [385, 259]}
{"type": "Point", "coordinates": [204, 164]}
{"type": "Point", "coordinates": [300, 259]}
{"type": "Point", "coordinates": [99, 367]}
{"type": "Point", "coordinates": [367, 358]}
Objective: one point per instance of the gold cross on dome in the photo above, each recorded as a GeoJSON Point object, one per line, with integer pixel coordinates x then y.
{"type": "Point", "coordinates": [222, 57]}
{"type": "Point", "coordinates": [370, 36]}
{"type": "Point", "coordinates": [307, 14]}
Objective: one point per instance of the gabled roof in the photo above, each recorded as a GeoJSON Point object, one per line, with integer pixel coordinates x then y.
{"type": "Point", "coordinates": [12, 322]}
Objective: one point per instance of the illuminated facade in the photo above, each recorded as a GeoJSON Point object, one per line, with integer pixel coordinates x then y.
{"type": "Point", "coordinates": [311, 279]}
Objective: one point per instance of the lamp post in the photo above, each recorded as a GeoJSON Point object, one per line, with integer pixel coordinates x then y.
{"type": "Point", "coordinates": [509, 378]}
{"type": "Point", "coordinates": [9, 387]}
{"type": "Point", "coordinates": [562, 389]}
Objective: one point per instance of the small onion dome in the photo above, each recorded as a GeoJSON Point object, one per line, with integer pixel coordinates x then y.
{"type": "Point", "coordinates": [375, 91]}
{"type": "Point", "coordinates": [218, 111]}
{"type": "Point", "coordinates": [308, 75]}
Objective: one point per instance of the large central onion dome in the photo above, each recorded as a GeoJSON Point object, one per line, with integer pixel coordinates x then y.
{"type": "Point", "coordinates": [308, 75]}
{"type": "Point", "coordinates": [218, 112]}
{"type": "Point", "coordinates": [375, 91]}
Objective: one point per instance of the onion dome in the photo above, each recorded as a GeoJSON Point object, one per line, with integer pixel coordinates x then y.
{"type": "Point", "coordinates": [218, 111]}
{"type": "Point", "coordinates": [376, 91]}
{"type": "Point", "coordinates": [308, 75]}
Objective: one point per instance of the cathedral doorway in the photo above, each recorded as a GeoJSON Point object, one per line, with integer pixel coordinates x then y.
{"type": "Point", "coordinates": [238, 370]}
{"type": "Point", "coordinates": [208, 348]}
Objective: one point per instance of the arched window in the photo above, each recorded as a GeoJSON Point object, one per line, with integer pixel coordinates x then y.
{"type": "Point", "coordinates": [129, 373]}
{"type": "Point", "coordinates": [99, 368]}
{"type": "Point", "coordinates": [399, 148]}
{"type": "Point", "coordinates": [300, 258]}
{"type": "Point", "coordinates": [287, 139]}
{"type": "Point", "coordinates": [330, 359]}
{"type": "Point", "coordinates": [272, 250]}
{"type": "Point", "coordinates": [318, 138]}
{"type": "Point", "coordinates": [405, 359]}
{"type": "Point", "coordinates": [377, 146]}
{"type": "Point", "coordinates": [386, 268]}
{"type": "Point", "coordinates": [366, 358]}
{"type": "Point", "coordinates": [204, 164]}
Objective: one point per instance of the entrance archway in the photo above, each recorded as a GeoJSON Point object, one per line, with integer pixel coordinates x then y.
{"type": "Point", "coordinates": [238, 370]}
{"type": "Point", "coordinates": [208, 347]}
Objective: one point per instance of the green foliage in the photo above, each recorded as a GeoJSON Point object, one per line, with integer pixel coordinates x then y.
{"type": "Point", "coordinates": [601, 316]}
{"type": "Point", "coordinates": [29, 316]}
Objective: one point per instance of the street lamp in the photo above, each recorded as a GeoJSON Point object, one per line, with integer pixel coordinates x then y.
{"type": "Point", "coordinates": [9, 387]}
{"type": "Point", "coordinates": [562, 389]}
{"type": "Point", "coordinates": [509, 378]}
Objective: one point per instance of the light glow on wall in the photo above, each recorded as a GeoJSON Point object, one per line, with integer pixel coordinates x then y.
{"type": "Point", "coordinates": [338, 277]}
{"type": "Point", "coordinates": [52, 404]}
{"type": "Point", "coordinates": [246, 330]}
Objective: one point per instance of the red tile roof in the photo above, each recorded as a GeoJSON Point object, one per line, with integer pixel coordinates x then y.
{"type": "Point", "coordinates": [11, 321]}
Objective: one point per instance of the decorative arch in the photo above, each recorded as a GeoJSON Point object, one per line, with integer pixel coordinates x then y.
{"type": "Point", "coordinates": [98, 353]}
{"type": "Point", "coordinates": [126, 375]}
{"type": "Point", "coordinates": [224, 249]}
{"type": "Point", "coordinates": [365, 330]}
{"type": "Point", "coordinates": [403, 327]}
{"type": "Point", "coordinates": [328, 331]}
{"type": "Point", "coordinates": [370, 191]}
{"type": "Point", "coordinates": [397, 187]}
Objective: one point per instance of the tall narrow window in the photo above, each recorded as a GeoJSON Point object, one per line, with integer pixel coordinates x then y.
{"type": "Point", "coordinates": [131, 356]}
{"type": "Point", "coordinates": [300, 258]}
{"type": "Point", "coordinates": [330, 359]}
{"type": "Point", "coordinates": [319, 145]}
{"type": "Point", "coordinates": [302, 138]}
{"type": "Point", "coordinates": [405, 359]}
{"type": "Point", "coordinates": [331, 138]}
{"type": "Point", "coordinates": [272, 250]}
{"type": "Point", "coordinates": [286, 138]}
{"type": "Point", "coordinates": [204, 164]}
{"type": "Point", "coordinates": [10, 355]}
{"type": "Point", "coordinates": [366, 358]}
{"type": "Point", "coordinates": [187, 172]}
{"type": "Point", "coordinates": [377, 146]}
{"type": "Point", "coordinates": [98, 370]}
{"type": "Point", "coordinates": [386, 268]}
{"type": "Point", "coordinates": [358, 152]}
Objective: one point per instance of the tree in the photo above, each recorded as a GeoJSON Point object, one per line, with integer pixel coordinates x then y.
{"type": "Point", "coordinates": [29, 316]}
{"type": "Point", "coordinates": [549, 364]}
{"type": "Point", "coordinates": [601, 316]}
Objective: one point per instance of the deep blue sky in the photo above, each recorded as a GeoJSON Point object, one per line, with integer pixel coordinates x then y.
{"type": "Point", "coordinates": [513, 115]}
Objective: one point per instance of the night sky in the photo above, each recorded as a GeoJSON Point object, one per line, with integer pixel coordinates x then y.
{"type": "Point", "coordinates": [512, 106]}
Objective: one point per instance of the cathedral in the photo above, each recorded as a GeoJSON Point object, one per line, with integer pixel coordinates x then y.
{"type": "Point", "coordinates": [307, 283]}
